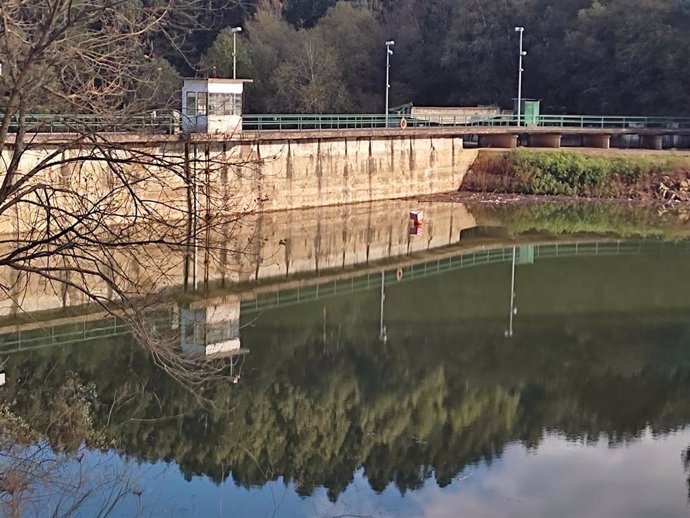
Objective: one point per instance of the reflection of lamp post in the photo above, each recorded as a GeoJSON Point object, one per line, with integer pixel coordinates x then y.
{"type": "Point", "coordinates": [513, 309]}
{"type": "Point", "coordinates": [234, 31]}
{"type": "Point", "coordinates": [383, 335]}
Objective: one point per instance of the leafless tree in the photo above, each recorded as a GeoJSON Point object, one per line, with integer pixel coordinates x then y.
{"type": "Point", "coordinates": [98, 205]}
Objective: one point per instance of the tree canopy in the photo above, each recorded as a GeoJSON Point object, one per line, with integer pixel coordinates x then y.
{"type": "Point", "coordinates": [584, 56]}
{"type": "Point", "coordinates": [625, 57]}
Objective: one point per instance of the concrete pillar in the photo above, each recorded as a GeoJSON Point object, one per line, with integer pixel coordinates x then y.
{"type": "Point", "coordinates": [652, 141]}
{"type": "Point", "coordinates": [597, 140]}
{"type": "Point", "coordinates": [499, 140]}
{"type": "Point", "coordinates": [550, 140]}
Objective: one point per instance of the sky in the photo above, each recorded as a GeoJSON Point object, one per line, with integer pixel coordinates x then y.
{"type": "Point", "coordinates": [559, 478]}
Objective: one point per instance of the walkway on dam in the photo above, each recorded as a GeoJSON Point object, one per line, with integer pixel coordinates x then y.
{"type": "Point", "coordinates": [498, 131]}
{"type": "Point", "coordinates": [501, 131]}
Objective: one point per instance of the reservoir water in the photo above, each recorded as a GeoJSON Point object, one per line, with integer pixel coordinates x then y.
{"type": "Point", "coordinates": [520, 360]}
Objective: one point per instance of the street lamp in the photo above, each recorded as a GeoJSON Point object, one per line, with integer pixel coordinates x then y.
{"type": "Point", "coordinates": [234, 31]}
{"type": "Point", "coordinates": [523, 53]}
{"type": "Point", "coordinates": [389, 53]}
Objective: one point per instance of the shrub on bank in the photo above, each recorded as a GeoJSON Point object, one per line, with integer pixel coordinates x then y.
{"type": "Point", "coordinates": [576, 174]}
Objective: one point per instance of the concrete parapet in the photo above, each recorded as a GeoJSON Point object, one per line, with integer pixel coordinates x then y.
{"type": "Point", "coordinates": [597, 140]}
{"type": "Point", "coordinates": [652, 141]}
{"type": "Point", "coordinates": [550, 140]}
{"type": "Point", "coordinates": [499, 140]}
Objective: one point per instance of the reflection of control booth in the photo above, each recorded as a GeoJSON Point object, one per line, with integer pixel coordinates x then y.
{"type": "Point", "coordinates": [211, 328]}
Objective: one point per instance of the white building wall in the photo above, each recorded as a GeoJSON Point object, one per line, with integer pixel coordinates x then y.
{"type": "Point", "coordinates": [205, 123]}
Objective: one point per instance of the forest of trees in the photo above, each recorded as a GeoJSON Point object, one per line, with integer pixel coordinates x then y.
{"type": "Point", "coordinates": [584, 56]}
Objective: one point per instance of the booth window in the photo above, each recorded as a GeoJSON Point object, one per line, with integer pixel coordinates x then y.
{"type": "Point", "coordinates": [201, 103]}
{"type": "Point", "coordinates": [196, 104]}
{"type": "Point", "coordinates": [191, 104]}
{"type": "Point", "coordinates": [224, 104]}
{"type": "Point", "coordinates": [237, 104]}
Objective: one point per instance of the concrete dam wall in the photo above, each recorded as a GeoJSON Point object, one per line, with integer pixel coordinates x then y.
{"type": "Point", "coordinates": [314, 172]}
{"type": "Point", "coordinates": [246, 174]}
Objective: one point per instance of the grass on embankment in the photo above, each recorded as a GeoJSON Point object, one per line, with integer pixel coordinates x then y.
{"type": "Point", "coordinates": [564, 173]}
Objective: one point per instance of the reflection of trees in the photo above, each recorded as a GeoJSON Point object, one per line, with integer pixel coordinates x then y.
{"type": "Point", "coordinates": [321, 397]}
{"type": "Point", "coordinates": [46, 468]}
{"type": "Point", "coordinates": [314, 415]}
{"type": "Point", "coordinates": [568, 218]}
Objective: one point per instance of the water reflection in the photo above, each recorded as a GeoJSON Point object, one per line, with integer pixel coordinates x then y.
{"type": "Point", "coordinates": [260, 247]}
{"type": "Point", "coordinates": [371, 392]}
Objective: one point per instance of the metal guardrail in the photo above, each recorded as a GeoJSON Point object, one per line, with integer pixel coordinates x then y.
{"type": "Point", "coordinates": [297, 122]}
{"type": "Point", "coordinates": [169, 122]}
{"type": "Point", "coordinates": [149, 123]}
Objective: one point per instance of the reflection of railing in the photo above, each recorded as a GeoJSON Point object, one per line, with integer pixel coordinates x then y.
{"type": "Point", "coordinates": [62, 334]}
{"type": "Point", "coordinates": [332, 288]}
{"type": "Point", "coordinates": [105, 328]}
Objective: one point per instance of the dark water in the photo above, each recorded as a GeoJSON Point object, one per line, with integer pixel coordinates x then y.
{"type": "Point", "coordinates": [422, 404]}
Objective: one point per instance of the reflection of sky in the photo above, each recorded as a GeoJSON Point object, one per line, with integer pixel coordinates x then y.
{"type": "Point", "coordinates": [559, 478]}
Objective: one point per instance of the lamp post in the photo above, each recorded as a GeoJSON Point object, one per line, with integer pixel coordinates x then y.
{"type": "Point", "coordinates": [389, 53]}
{"type": "Point", "coordinates": [523, 53]}
{"type": "Point", "coordinates": [234, 31]}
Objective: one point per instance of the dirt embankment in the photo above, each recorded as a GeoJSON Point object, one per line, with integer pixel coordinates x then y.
{"type": "Point", "coordinates": [633, 176]}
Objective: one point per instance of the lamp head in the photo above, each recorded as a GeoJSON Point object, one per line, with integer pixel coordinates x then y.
{"type": "Point", "coordinates": [390, 42]}
{"type": "Point", "coordinates": [236, 29]}
{"type": "Point", "coordinates": [519, 29]}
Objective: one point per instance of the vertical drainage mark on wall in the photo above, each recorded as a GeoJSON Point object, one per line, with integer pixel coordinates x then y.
{"type": "Point", "coordinates": [392, 144]}
{"type": "Point", "coordinates": [432, 164]}
{"type": "Point", "coordinates": [412, 157]}
{"type": "Point", "coordinates": [346, 173]}
{"type": "Point", "coordinates": [370, 173]}
{"type": "Point", "coordinates": [259, 185]}
{"type": "Point", "coordinates": [290, 167]}
{"type": "Point", "coordinates": [319, 171]}
{"type": "Point", "coordinates": [452, 153]}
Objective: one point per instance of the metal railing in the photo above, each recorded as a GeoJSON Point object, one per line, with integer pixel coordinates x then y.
{"type": "Point", "coordinates": [154, 122]}
{"type": "Point", "coordinates": [324, 122]}
{"type": "Point", "coordinates": [169, 122]}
